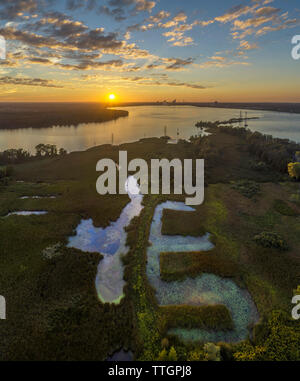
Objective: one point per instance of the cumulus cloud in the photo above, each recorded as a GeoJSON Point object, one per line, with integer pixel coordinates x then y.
{"type": "Point", "coordinates": [59, 25]}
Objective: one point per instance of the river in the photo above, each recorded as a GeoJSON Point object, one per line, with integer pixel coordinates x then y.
{"type": "Point", "coordinates": [146, 121]}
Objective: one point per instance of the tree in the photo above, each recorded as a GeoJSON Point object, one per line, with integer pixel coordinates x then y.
{"type": "Point", "coordinates": [172, 354]}
{"type": "Point", "coordinates": [49, 150]}
{"type": "Point", "coordinates": [62, 152]}
{"type": "Point", "coordinates": [281, 341]}
{"type": "Point", "coordinates": [212, 352]}
{"type": "Point", "coordinates": [39, 149]}
{"type": "Point", "coordinates": [294, 170]}
{"type": "Point", "coordinates": [297, 291]}
{"type": "Point", "coordinates": [165, 343]}
{"type": "Point", "coordinates": [163, 356]}
{"type": "Point", "coordinates": [195, 355]}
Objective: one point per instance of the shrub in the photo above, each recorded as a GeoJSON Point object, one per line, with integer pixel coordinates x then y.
{"type": "Point", "coordinates": [163, 355]}
{"type": "Point", "coordinates": [283, 208]}
{"type": "Point", "coordinates": [165, 343]}
{"type": "Point", "coordinates": [259, 166]}
{"type": "Point", "coordinates": [212, 352]}
{"type": "Point", "coordinates": [280, 343]}
{"type": "Point", "coordinates": [297, 291]}
{"type": "Point", "coordinates": [195, 355]}
{"type": "Point", "coordinates": [206, 317]}
{"type": "Point", "coordinates": [271, 240]}
{"type": "Point", "coordinates": [172, 354]}
{"type": "Point", "coordinates": [247, 188]}
{"type": "Point", "coordinates": [294, 170]}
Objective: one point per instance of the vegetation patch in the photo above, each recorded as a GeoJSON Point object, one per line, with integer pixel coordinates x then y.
{"type": "Point", "coordinates": [277, 339]}
{"type": "Point", "coordinates": [178, 266]}
{"type": "Point", "coordinates": [247, 188]}
{"type": "Point", "coordinates": [283, 208]}
{"type": "Point", "coordinates": [190, 223]}
{"type": "Point", "coordinates": [215, 317]}
{"type": "Point", "coordinates": [271, 240]}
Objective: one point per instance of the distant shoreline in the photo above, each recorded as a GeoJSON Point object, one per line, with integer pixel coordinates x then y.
{"type": "Point", "coordinates": [292, 108]}
{"type": "Point", "coordinates": [23, 115]}
{"type": "Point", "coordinates": [46, 115]}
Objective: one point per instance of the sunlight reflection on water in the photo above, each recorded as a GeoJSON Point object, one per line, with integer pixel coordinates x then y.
{"type": "Point", "coordinates": [146, 121]}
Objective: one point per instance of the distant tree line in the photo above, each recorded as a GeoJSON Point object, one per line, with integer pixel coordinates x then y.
{"type": "Point", "coordinates": [17, 156]}
{"type": "Point", "coordinates": [277, 153]}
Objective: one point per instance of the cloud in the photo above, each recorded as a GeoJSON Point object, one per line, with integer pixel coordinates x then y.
{"type": "Point", "coordinates": [120, 9]}
{"type": "Point", "coordinates": [94, 39]}
{"type": "Point", "coordinates": [13, 9]}
{"type": "Point", "coordinates": [90, 40]}
{"type": "Point", "coordinates": [117, 13]}
{"type": "Point", "coordinates": [150, 81]}
{"type": "Point", "coordinates": [259, 12]}
{"type": "Point", "coordinates": [266, 11]}
{"type": "Point", "coordinates": [178, 63]}
{"type": "Point", "coordinates": [221, 64]}
{"type": "Point", "coordinates": [144, 5]}
{"type": "Point", "coordinates": [245, 45]}
{"type": "Point", "coordinates": [27, 82]}
{"type": "Point", "coordinates": [90, 64]}
{"type": "Point", "coordinates": [33, 39]}
{"type": "Point", "coordinates": [59, 25]}
{"type": "Point", "coordinates": [158, 17]}
{"type": "Point", "coordinates": [171, 64]}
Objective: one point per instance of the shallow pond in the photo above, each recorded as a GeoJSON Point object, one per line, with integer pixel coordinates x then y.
{"type": "Point", "coordinates": [202, 290]}
{"type": "Point", "coordinates": [121, 355]}
{"type": "Point", "coordinates": [111, 243]}
{"type": "Point", "coordinates": [26, 213]}
{"type": "Point", "coordinates": [36, 197]}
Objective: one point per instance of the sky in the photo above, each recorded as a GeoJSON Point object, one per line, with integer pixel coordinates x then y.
{"type": "Point", "coordinates": [144, 50]}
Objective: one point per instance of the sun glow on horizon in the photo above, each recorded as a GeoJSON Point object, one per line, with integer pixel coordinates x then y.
{"type": "Point", "coordinates": [111, 97]}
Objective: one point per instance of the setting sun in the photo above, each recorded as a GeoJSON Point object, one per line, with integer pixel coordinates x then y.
{"type": "Point", "coordinates": [112, 97]}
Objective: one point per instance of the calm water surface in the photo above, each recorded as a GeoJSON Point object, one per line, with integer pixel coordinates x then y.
{"type": "Point", "coordinates": [146, 121]}
{"type": "Point", "coordinates": [206, 289]}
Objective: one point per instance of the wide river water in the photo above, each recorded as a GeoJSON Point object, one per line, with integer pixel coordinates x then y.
{"type": "Point", "coordinates": [146, 121]}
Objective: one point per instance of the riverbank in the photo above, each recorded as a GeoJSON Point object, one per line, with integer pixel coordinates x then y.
{"type": "Point", "coordinates": [293, 108]}
{"type": "Point", "coordinates": [45, 115]}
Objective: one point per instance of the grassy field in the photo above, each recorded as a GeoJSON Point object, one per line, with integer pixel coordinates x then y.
{"type": "Point", "coordinates": [52, 303]}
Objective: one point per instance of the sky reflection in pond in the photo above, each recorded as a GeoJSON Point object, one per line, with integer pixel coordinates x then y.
{"type": "Point", "coordinates": [201, 290]}
{"type": "Point", "coordinates": [111, 243]}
